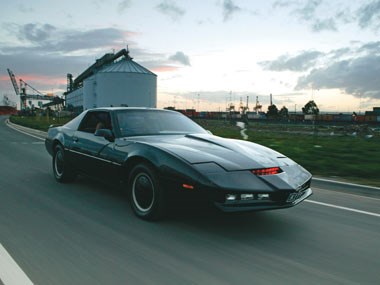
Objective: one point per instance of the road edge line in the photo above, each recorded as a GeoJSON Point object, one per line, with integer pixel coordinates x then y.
{"type": "Point", "coordinates": [8, 121]}
{"type": "Point", "coordinates": [346, 183]}
{"type": "Point", "coordinates": [10, 272]}
{"type": "Point", "coordinates": [344, 208]}
{"type": "Point", "coordinates": [23, 132]}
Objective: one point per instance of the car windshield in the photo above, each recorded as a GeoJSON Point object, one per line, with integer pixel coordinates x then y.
{"type": "Point", "coordinates": [155, 122]}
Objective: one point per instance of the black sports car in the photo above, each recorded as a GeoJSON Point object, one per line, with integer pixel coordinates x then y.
{"type": "Point", "coordinates": [162, 156]}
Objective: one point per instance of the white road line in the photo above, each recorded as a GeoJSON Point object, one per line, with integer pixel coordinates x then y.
{"type": "Point", "coordinates": [345, 183]}
{"type": "Point", "coordinates": [350, 194]}
{"type": "Point", "coordinates": [344, 208]}
{"type": "Point", "coordinates": [25, 133]}
{"type": "Point", "coordinates": [10, 272]}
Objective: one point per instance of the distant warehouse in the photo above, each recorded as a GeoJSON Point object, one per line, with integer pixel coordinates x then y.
{"type": "Point", "coordinates": [113, 80]}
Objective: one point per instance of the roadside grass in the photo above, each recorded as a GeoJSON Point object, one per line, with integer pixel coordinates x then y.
{"type": "Point", "coordinates": [341, 157]}
{"type": "Point", "coordinates": [38, 122]}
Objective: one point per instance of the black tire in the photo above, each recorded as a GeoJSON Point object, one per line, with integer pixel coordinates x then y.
{"type": "Point", "coordinates": [145, 195]}
{"type": "Point", "coordinates": [61, 170]}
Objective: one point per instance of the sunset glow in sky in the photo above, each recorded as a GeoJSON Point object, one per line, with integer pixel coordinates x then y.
{"type": "Point", "coordinates": [205, 53]}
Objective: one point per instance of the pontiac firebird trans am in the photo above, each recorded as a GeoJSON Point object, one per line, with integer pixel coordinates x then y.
{"type": "Point", "coordinates": [161, 156]}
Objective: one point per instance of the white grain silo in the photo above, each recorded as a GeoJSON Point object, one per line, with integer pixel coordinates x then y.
{"type": "Point", "coordinates": [125, 83]}
{"type": "Point", "coordinates": [113, 80]}
{"type": "Point", "coordinates": [119, 81]}
{"type": "Point", "coordinates": [89, 98]}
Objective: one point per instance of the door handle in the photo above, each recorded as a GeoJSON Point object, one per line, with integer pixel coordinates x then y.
{"type": "Point", "coordinates": [75, 139]}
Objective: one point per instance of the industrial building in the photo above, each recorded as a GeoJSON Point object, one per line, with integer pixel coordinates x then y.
{"type": "Point", "coordinates": [113, 80]}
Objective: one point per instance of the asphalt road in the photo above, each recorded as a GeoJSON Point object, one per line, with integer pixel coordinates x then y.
{"type": "Point", "coordinates": [85, 233]}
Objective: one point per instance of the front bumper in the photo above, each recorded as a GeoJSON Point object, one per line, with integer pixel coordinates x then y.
{"type": "Point", "coordinates": [273, 202]}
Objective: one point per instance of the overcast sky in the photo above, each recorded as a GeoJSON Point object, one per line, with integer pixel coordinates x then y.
{"type": "Point", "coordinates": [205, 52]}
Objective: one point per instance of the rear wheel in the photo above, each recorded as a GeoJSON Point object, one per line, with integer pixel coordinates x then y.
{"type": "Point", "coordinates": [61, 170]}
{"type": "Point", "coordinates": [146, 197]}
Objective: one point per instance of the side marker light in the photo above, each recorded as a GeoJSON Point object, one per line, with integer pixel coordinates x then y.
{"type": "Point", "coordinates": [188, 186]}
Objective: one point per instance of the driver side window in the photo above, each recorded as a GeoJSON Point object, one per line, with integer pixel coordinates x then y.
{"type": "Point", "coordinates": [94, 121]}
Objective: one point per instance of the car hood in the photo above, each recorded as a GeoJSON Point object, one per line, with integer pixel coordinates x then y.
{"type": "Point", "coordinates": [230, 154]}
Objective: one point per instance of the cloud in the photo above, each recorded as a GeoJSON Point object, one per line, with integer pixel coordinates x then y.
{"type": "Point", "coordinates": [123, 5]}
{"type": "Point", "coordinates": [45, 38]}
{"type": "Point", "coordinates": [357, 76]}
{"type": "Point", "coordinates": [326, 24]}
{"type": "Point", "coordinates": [43, 64]}
{"type": "Point", "coordinates": [308, 11]}
{"type": "Point", "coordinates": [345, 16]}
{"type": "Point", "coordinates": [25, 9]}
{"type": "Point", "coordinates": [229, 8]}
{"type": "Point", "coordinates": [162, 63]}
{"type": "Point", "coordinates": [35, 33]}
{"type": "Point", "coordinates": [298, 63]}
{"type": "Point", "coordinates": [159, 64]}
{"type": "Point", "coordinates": [353, 69]}
{"type": "Point", "coordinates": [369, 15]}
{"type": "Point", "coordinates": [371, 48]}
{"type": "Point", "coordinates": [180, 57]}
{"type": "Point", "coordinates": [44, 50]}
{"type": "Point", "coordinates": [284, 4]}
{"type": "Point", "coordinates": [170, 9]}
{"type": "Point", "coordinates": [45, 73]}
{"type": "Point", "coordinates": [92, 39]}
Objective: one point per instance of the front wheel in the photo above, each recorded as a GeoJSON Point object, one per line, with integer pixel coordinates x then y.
{"type": "Point", "coordinates": [62, 172]}
{"type": "Point", "coordinates": [146, 197]}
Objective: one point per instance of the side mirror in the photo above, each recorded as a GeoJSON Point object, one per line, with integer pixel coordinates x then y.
{"type": "Point", "coordinates": [105, 133]}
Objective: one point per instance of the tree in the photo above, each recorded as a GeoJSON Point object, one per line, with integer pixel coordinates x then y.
{"type": "Point", "coordinates": [284, 113]}
{"type": "Point", "coordinates": [310, 108]}
{"type": "Point", "coordinates": [272, 111]}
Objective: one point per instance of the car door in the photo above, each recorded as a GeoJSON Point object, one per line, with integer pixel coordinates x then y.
{"type": "Point", "coordinates": [87, 148]}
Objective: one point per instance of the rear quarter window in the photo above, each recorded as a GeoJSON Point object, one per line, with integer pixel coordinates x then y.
{"type": "Point", "coordinates": [74, 123]}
